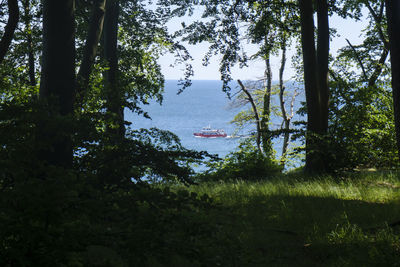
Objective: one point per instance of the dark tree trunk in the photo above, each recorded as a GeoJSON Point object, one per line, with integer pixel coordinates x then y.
{"type": "Point", "coordinates": [9, 30]}
{"type": "Point", "coordinates": [58, 76]}
{"type": "Point", "coordinates": [322, 62]}
{"type": "Point", "coordinates": [92, 41]}
{"type": "Point", "coordinates": [314, 160]}
{"type": "Point", "coordinates": [393, 17]}
{"type": "Point", "coordinates": [315, 82]}
{"type": "Point", "coordinates": [28, 32]}
{"type": "Point", "coordinates": [113, 92]}
{"type": "Point", "coordinates": [31, 60]}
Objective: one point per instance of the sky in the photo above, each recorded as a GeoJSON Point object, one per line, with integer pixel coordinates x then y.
{"type": "Point", "coordinates": [347, 29]}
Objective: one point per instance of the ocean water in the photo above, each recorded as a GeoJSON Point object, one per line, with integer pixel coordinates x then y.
{"type": "Point", "coordinates": [198, 106]}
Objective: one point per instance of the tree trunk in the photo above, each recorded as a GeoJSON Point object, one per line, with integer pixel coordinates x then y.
{"type": "Point", "coordinates": [58, 76]}
{"type": "Point", "coordinates": [393, 17]}
{"type": "Point", "coordinates": [286, 119]}
{"type": "Point", "coordinates": [322, 62]}
{"type": "Point", "coordinates": [315, 82]}
{"type": "Point", "coordinates": [28, 32]}
{"type": "Point", "coordinates": [113, 92]}
{"type": "Point", "coordinates": [314, 162]}
{"type": "Point", "coordinates": [9, 30]}
{"type": "Point", "coordinates": [31, 60]}
{"type": "Point", "coordinates": [92, 41]}
{"type": "Point", "coordinates": [265, 136]}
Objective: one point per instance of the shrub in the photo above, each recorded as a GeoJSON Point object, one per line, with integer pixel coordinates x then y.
{"type": "Point", "coordinates": [246, 163]}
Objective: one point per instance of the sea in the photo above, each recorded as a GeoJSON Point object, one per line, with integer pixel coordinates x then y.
{"type": "Point", "coordinates": [202, 104]}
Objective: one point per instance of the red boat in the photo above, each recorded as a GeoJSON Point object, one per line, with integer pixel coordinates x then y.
{"type": "Point", "coordinates": [207, 132]}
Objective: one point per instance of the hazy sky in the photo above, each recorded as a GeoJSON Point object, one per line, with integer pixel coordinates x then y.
{"type": "Point", "coordinates": [345, 28]}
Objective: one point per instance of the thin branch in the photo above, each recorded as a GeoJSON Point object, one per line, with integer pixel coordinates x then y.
{"type": "Point", "coordinates": [281, 87]}
{"type": "Point", "coordinates": [257, 117]}
{"type": "Point", "coordinates": [378, 68]}
{"type": "Point", "coordinates": [358, 59]}
{"type": "Point", "coordinates": [292, 104]}
{"type": "Point", "coordinates": [378, 21]}
{"type": "Point", "coordinates": [382, 9]}
{"type": "Point", "coordinates": [385, 52]}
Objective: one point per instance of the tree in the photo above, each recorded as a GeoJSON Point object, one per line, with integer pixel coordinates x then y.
{"type": "Point", "coordinates": [266, 23]}
{"type": "Point", "coordinates": [20, 66]}
{"type": "Point", "coordinates": [361, 125]}
{"type": "Point", "coordinates": [12, 22]}
{"type": "Point", "coordinates": [29, 41]}
{"type": "Point", "coordinates": [113, 91]}
{"type": "Point", "coordinates": [90, 50]}
{"type": "Point", "coordinates": [393, 17]}
{"type": "Point", "coordinates": [287, 115]}
{"type": "Point", "coordinates": [57, 85]}
{"type": "Point", "coordinates": [256, 116]}
{"type": "Point", "coordinates": [315, 81]}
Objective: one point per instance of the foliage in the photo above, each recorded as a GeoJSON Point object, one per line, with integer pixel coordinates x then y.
{"type": "Point", "coordinates": [362, 128]}
{"type": "Point", "coordinates": [361, 124]}
{"type": "Point", "coordinates": [99, 212]}
{"type": "Point", "coordinates": [246, 117]}
{"type": "Point", "coordinates": [247, 163]}
{"type": "Point", "coordinates": [66, 220]}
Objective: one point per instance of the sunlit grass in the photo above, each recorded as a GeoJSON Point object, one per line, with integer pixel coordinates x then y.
{"type": "Point", "coordinates": [293, 220]}
{"type": "Point", "coordinates": [365, 187]}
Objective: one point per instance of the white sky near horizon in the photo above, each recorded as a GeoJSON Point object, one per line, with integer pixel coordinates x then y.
{"type": "Point", "coordinates": [346, 29]}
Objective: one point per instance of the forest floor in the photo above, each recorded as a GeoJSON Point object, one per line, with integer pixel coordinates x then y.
{"type": "Point", "coordinates": [293, 221]}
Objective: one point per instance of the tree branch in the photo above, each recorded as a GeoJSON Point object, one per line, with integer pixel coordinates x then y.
{"type": "Point", "coordinates": [9, 30]}
{"type": "Point", "coordinates": [378, 20]}
{"type": "Point", "coordinates": [385, 52]}
{"type": "Point", "coordinates": [257, 117]}
{"type": "Point", "coordinates": [378, 68]}
{"type": "Point", "coordinates": [92, 40]}
{"type": "Point", "coordinates": [358, 59]}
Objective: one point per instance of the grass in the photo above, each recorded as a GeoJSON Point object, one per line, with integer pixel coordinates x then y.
{"type": "Point", "coordinates": [293, 221]}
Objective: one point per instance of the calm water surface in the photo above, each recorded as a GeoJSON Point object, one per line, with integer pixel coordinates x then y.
{"type": "Point", "coordinates": [201, 105]}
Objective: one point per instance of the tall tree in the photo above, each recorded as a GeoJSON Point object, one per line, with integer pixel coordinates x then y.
{"type": "Point", "coordinates": [113, 92]}
{"type": "Point", "coordinates": [90, 50]}
{"type": "Point", "coordinates": [323, 61]}
{"type": "Point", "coordinates": [287, 114]}
{"type": "Point", "coordinates": [393, 17]}
{"type": "Point", "coordinates": [58, 75]}
{"type": "Point", "coordinates": [9, 30]}
{"type": "Point", "coordinates": [315, 81]}
{"type": "Point", "coordinates": [27, 18]}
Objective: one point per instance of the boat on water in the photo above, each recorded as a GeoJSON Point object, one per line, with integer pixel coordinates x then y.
{"type": "Point", "coordinates": [207, 132]}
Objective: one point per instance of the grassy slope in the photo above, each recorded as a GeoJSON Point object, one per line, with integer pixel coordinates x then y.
{"type": "Point", "coordinates": [289, 221]}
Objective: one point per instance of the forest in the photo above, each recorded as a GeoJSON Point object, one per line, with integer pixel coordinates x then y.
{"type": "Point", "coordinates": [81, 186]}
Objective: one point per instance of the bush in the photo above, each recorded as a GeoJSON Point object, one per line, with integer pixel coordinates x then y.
{"type": "Point", "coordinates": [247, 163]}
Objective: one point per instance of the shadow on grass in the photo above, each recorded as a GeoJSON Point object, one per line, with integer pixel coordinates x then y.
{"type": "Point", "coordinates": [313, 231]}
